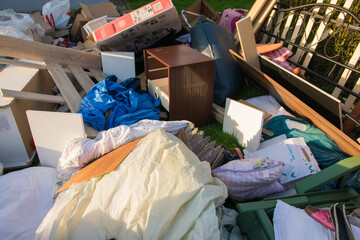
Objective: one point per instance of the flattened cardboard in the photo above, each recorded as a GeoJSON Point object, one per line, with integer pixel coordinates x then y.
{"type": "Point", "coordinates": [102, 166]}
{"type": "Point", "coordinates": [91, 12]}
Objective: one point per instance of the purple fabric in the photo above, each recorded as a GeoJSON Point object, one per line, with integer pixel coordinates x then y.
{"type": "Point", "coordinates": [248, 179]}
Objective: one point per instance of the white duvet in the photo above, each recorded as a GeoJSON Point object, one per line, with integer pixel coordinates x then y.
{"type": "Point", "coordinates": [25, 199]}
{"type": "Point", "coordinates": [160, 191]}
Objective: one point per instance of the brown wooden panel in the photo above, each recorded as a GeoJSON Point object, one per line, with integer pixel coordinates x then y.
{"type": "Point", "coordinates": [157, 73]}
{"type": "Point", "coordinates": [84, 80]}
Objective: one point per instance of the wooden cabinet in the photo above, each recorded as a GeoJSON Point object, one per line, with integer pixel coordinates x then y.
{"type": "Point", "coordinates": [183, 79]}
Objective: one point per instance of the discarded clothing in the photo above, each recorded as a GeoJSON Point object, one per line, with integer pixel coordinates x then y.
{"type": "Point", "coordinates": [160, 191]}
{"type": "Point", "coordinates": [80, 151]}
{"type": "Point", "coordinates": [126, 105]}
{"type": "Point", "coordinates": [279, 57]}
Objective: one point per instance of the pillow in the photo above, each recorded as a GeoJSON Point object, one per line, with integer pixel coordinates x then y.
{"type": "Point", "coordinates": [251, 178]}
{"type": "Point", "coordinates": [294, 223]}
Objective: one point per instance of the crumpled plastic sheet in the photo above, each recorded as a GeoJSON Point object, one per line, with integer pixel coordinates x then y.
{"type": "Point", "coordinates": [126, 105]}
{"type": "Point", "coordinates": [80, 151]}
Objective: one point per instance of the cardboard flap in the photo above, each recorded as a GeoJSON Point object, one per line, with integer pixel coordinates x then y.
{"type": "Point", "coordinates": [98, 10]}
{"type": "Point", "coordinates": [103, 165]}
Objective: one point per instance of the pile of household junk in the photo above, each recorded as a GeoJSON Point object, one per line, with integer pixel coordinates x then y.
{"type": "Point", "coordinates": [101, 118]}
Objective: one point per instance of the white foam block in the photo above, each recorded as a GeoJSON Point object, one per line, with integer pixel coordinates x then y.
{"type": "Point", "coordinates": [52, 131]}
{"type": "Point", "coordinates": [245, 122]}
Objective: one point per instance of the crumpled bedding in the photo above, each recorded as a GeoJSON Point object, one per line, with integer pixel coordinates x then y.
{"type": "Point", "coordinates": [80, 151]}
{"type": "Point", "coordinates": [160, 191]}
{"type": "Point", "coordinates": [25, 199]}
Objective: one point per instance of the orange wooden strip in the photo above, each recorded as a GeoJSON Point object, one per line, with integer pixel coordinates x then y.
{"type": "Point", "coordinates": [103, 165]}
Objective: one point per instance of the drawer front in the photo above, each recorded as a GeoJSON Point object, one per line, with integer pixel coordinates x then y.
{"type": "Point", "coordinates": [158, 93]}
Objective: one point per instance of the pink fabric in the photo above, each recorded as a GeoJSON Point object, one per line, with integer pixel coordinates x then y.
{"type": "Point", "coordinates": [279, 57]}
{"type": "Point", "coordinates": [248, 179]}
{"type": "Point", "coordinates": [323, 217]}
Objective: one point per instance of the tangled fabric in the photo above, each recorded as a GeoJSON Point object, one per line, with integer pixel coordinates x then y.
{"type": "Point", "coordinates": [125, 105]}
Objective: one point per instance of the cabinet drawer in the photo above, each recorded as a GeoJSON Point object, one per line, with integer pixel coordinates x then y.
{"type": "Point", "coordinates": [159, 88]}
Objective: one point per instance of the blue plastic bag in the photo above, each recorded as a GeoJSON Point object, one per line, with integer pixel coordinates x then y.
{"type": "Point", "coordinates": [125, 105]}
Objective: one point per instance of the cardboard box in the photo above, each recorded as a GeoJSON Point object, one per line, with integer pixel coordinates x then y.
{"type": "Point", "coordinates": [138, 29]}
{"type": "Point", "coordinates": [199, 7]}
{"type": "Point", "coordinates": [15, 136]}
{"type": "Point", "coordinates": [87, 13]}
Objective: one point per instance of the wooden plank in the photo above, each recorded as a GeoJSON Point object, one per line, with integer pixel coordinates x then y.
{"type": "Point", "coordinates": [287, 26]}
{"type": "Point", "coordinates": [32, 96]}
{"type": "Point", "coordinates": [247, 41]}
{"type": "Point", "coordinates": [19, 48]}
{"type": "Point", "coordinates": [218, 113]}
{"type": "Point", "coordinates": [98, 74]}
{"type": "Point", "coordinates": [256, 9]}
{"type": "Point", "coordinates": [67, 89]}
{"type": "Point", "coordinates": [22, 64]}
{"type": "Point", "coordinates": [84, 80]}
{"type": "Point", "coordinates": [297, 28]}
{"type": "Point", "coordinates": [264, 13]}
{"type": "Point", "coordinates": [283, 96]}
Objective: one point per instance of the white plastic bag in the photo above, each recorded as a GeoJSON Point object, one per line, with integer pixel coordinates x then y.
{"type": "Point", "coordinates": [57, 13]}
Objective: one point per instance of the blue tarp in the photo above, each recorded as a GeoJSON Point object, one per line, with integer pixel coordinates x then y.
{"type": "Point", "coordinates": [125, 105]}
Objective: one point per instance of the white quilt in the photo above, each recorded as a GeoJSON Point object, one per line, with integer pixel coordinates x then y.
{"type": "Point", "coordinates": [25, 198]}
{"type": "Point", "coordinates": [160, 191]}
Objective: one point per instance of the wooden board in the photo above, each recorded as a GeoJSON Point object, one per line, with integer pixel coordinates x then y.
{"type": "Point", "coordinates": [65, 86]}
{"type": "Point", "coordinates": [18, 48]}
{"type": "Point", "coordinates": [98, 74]}
{"type": "Point", "coordinates": [52, 131]}
{"type": "Point", "coordinates": [285, 97]}
{"type": "Point", "coordinates": [264, 13]}
{"type": "Point", "coordinates": [22, 64]}
{"type": "Point", "coordinates": [245, 122]}
{"type": "Point", "coordinates": [256, 9]}
{"type": "Point", "coordinates": [247, 41]}
{"type": "Point", "coordinates": [84, 80]}
{"type": "Point", "coordinates": [32, 96]}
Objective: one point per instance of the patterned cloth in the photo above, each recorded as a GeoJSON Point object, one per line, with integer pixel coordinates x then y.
{"type": "Point", "coordinates": [279, 57]}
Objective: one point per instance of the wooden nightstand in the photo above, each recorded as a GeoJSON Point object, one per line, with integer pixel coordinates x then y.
{"type": "Point", "coordinates": [183, 79]}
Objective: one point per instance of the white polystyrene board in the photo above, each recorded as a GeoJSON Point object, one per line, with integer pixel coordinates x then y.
{"type": "Point", "coordinates": [121, 64]}
{"type": "Point", "coordinates": [12, 149]}
{"type": "Point", "coordinates": [52, 131]}
{"type": "Point", "coordinates": [245, 122]}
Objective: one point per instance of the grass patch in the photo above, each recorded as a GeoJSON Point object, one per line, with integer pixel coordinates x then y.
{"type": "Point", "coordinates": [218, 5]}
{"type": "Point", "coordinates": [215, 132]}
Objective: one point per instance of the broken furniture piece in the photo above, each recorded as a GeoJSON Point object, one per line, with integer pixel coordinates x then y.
{"type": "Point", "coordinates": [325, 40]}
{"type": "Point", "coordinates": [61, 63]}
{"type": "Point", "coordinates": [288, 99]}
{"type": "Point", "coordinates": [183, 79]}
{"type": "Point", "coordinates": [16, 145]}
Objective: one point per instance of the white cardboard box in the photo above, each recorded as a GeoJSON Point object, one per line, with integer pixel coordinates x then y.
{"type": "Point", "coordinates": [139, 28]}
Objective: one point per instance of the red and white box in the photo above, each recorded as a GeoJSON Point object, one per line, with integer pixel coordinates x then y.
{"type": "Point", "coordinates": [139, 28]}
